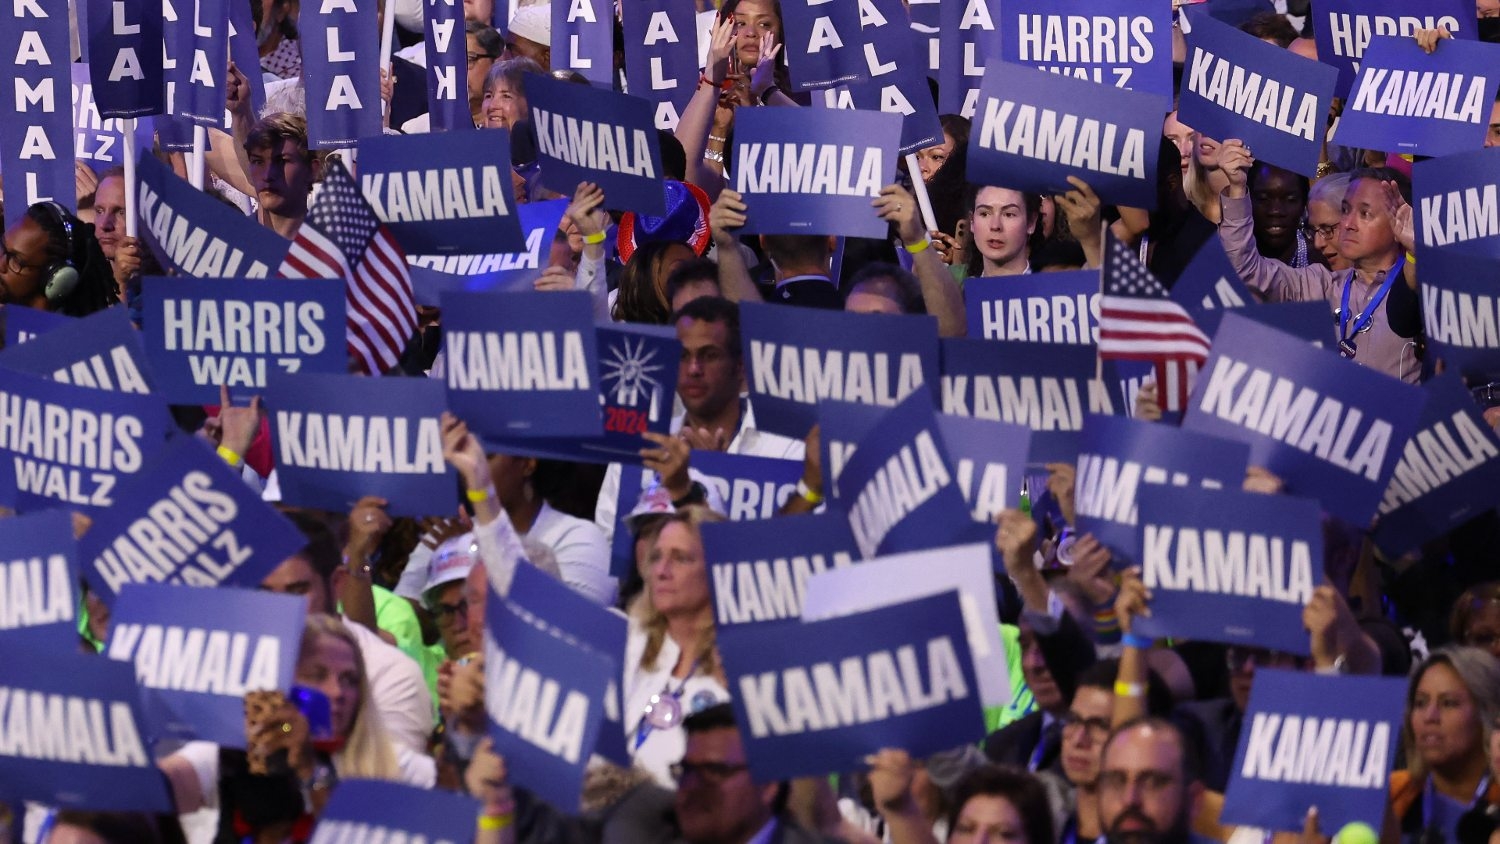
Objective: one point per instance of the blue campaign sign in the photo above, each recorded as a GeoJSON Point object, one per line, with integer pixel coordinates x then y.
{"type": "Point", "coordinates": [661, 56]}
{"type": "Point", "coordinates": [989, 462]}
{"type": "Point", "coordinates": [595, 135]}
{"type": "Point", "coordinates": [1238, 86]}
{"type": "Point", "coordinates": [63, 444]}
{"type": "Point", "coordinates": [903, 91]}
{"type": "Point", "coordinates": [637, 374]}
{"type": "Point", "coordinates": [841, 425]}
{"type": "Point", "coordinates": [1461, 310]}
{"type": "Point", "coordinates": [199, 653]}
{"type": "Point", "coordinates": [38, 570]}
{"type": "Point", "coordinates": [36, 134]}
{"type": "Point", "coordinates": [127, 75]}
{"type": "Point", "coordinates": [758, 570]}
{"type": "Point", "coordinates": [245, 52]}
{"type": "Point", "coordinates": [1058, 307]}
{"type": "Point", "coordinates": [1315, 740]}
{"type": "Point", "coordinates": [1210, 283]}
{"type": "Point", "coordinates": [903, 675]}
{"type": "Point", "coordinates": [22, 324]}
{"type": "Point", "coordinates": [188, 519]}
{"type": "Point", "coordinates": [898, 488]}
{"type": "Point", "coordinates": [1117, 458]}
{"type": "Point", "coordinates": [817, 174]}
{"type": "Point", "coordinates": [74, 733]}
{"type": "Point", "coordinates": [1448, 473]}
{"type": "Point", "coordinates": [101, 350]}
{"type": "Point", "coordinates": [750, 487]}
{"type": "Point", "coordinates": [1407, 101]}
{"type": "Point", "coordinates": [193, 234]}
{"type": "Point", "coordinates": [824, 46]}
{"type": "Point", "coordinates": [100, 139]}
{"type": "Point", "coordinates": [340, 58]}
{"type": "Point", "coordinates": [200, 36]}
{"type": "Point", "coordinates": [443, 193]}
{"type": "Point", "coordinates": [523, 364]}
{"type": "Point", "coordinates": [1097, 40]}
{"type": "Point", "coordinates": [1229, 566]}
{"type": "Point", "coordinates": [545, 697]}
{"type": "Point", "coordinates": [339, 438]}
{"type": "Point", "coordinates": [447, 63]}
{"type": "Point", "coordinates": [1047, 388]}
{"type": "Point", "coordinates": [431, 275]}
{"type": "Point", "coordinates": [1034, 129]}
{"type": "Point", "coordinates": [571, 615]}
{"type": "Point", "coordinates": [968, 40]}
{"type": "Point", "coordinates": [583, 31]}
{"type": "Point", "coordinates": [1454, 203]}
{"type": "Point", "coordinates": [798, 357]}
{"type": "Point", "coordinates": [1343, 28]}
{"type": "Point", "coordinates": [927, 41]}
{"type": "Point", "coordinates": [1308, 321]}
{"type": "Point", "coordinates": [375, 810]}
{"type": "Point", "coordinates": [1331, 431]}
{"type": "Point", "coordinates": [234, 332]}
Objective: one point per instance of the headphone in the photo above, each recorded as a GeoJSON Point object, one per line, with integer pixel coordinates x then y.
{"type": "Point", "coordinates": [61, 275]}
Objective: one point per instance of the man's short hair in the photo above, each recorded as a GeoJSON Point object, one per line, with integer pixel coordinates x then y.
{"type": "Point", "coordinates": [904, 288]}
{"type": "Point", "coordinates": [720, 716]}
{"type": "Point", "coordinates": [1189, 758]}
{"type": "Point", "coordinates": [1269, 26]}
{"type": "Point", "coordinates": [490, 42]}
{"type": "Point", "coordinates": [1383, 174]}
{"type": "Point", "coordinates": [273, 129]}
{"type": "Point", "coordinates": [791, 249]}
{"type": "Point", "coordinates": [715, 309]}
{"type": "Point", "coordinates": [690, 272]}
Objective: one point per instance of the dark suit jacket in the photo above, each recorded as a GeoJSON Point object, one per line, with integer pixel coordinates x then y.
{"type": "Point", "coordinates": [1014, 743]}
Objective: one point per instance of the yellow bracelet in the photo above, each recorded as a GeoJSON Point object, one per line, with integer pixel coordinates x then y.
{"type": "Point", "coordinates": [1411, 259]}
{"type": "Point", "coordinates": [594, 239]}
{"type": "Point", "coordinates": [495, 823]}
{"type": "Point", "coordinates": [1124, 689]}
{"type": "Point", "coordinates": [477, 496]}
{"type": "Point", "coordinates": [234, 460]}
{"type": "Point", "coordinates": [914, 248]}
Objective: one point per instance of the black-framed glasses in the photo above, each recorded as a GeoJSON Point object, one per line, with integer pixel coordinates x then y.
{"type": "Point", "coordinates": [712, 772]}
{"type": "Point", "coordinates": [13, 262]}
{"type": "Point", "coordinates": [447, 612]}
{"type": "Point", "coordinates": [1097, 728]}
{"type": "Point", "coordinates": [476, 58]}
{"type": "Point", "coordinates": [1326, 232]}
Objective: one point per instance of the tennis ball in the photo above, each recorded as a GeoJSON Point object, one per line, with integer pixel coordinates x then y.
{"type": "Point", "coordinates": [1356, 833]}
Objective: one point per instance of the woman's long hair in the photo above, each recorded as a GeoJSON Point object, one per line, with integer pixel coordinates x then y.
{"type": "Point", "coordinates": [368, 751]}
{"type": "Point", "coordinates": [1480, 674]}
{"type": "Point", "coordinates": [651, 619]}
{"type": "Point", "coordinates": [642, 294]}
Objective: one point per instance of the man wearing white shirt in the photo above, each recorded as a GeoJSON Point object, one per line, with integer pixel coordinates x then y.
{"type": "Point", "coordinates": [710, 377]}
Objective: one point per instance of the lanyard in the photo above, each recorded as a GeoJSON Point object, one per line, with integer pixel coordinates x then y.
{"type": "Point", "coordinates": [644, 728]}
{"type": "Point", "coordinates": [1363, 318]}
{"type": "Point", "coordinates": [1429, 799]}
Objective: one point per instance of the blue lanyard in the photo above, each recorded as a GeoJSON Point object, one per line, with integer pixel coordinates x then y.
{"type": "Point", "coordinates": [1429, 799]}
{"type": "Point", "coordinates": [1362, 322]}
{"type": "Point", "coordinates": [644, 728]}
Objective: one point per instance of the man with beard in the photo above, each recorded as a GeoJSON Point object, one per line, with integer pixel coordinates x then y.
{"type": "Point", "coordinates": [1147, 788]}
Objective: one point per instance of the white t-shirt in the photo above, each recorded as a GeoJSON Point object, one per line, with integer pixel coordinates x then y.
{"type": "Point", "coordinates": [399, 690]}
{"type": "Point", "coordinates": [661, 749]}
{"type": "Point", "coordinates": [581, 550]}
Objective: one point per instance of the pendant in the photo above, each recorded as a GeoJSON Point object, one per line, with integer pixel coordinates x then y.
{"type": "Point", "coordinates": [663, 712]}
{"type": "Point", "coordinates": [1348, 349]}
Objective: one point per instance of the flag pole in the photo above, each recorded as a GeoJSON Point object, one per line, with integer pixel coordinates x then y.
{"type": "Point", "coordinates": [132, 222]}
{"type": "Point", "coordinates": [919, 187]}
{"type": "Point", "coordinates": [196, 161]}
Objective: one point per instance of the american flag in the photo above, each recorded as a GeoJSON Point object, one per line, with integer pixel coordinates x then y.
{"type": "Point", "coordinates": [342, 238]}
{"type": "Point", "coordinates": [1138, 322]}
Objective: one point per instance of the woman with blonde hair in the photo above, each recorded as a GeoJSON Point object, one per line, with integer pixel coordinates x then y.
{"type": "Point", "coordinates": [273, 790]}
{"type": "Point", "coordinates": [671, 664]}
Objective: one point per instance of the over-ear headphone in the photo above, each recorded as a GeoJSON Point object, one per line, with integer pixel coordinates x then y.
{"type": "Point", "coordinates": [61, 275]}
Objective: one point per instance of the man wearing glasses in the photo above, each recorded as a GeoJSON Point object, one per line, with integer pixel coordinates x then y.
{"type": "Point", "coordinates": [1147, 788]}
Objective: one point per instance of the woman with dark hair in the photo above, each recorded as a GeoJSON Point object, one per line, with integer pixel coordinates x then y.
{"type": "Point", "coordinates": [1003, 222]}
{"type": "Point", "coordinates": [642, 294]}
{"type": "Point", "coordinates": [955, 136]}
{"type": "Point", "coordinates": [53, 262]}
{"type": "Point", "coordinates": [989, 803]}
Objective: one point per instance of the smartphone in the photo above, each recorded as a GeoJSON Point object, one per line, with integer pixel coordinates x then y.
{"type": "Point", "coordinates": [318, 711]}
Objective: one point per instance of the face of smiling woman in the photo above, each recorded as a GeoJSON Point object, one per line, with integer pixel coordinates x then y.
{"type": "Point", "coordinates": [21, 266]}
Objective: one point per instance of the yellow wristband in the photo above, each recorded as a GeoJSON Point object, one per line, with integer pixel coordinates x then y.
{"type": "Point", "coordinates": [914, 248]}
{"type": "Point", "coordinates": [1411, 259]}
{"type": "Point", "coordinates": [1124, 689]}
{"type": "Point", "coordinates": [807, 494]}
{"type": "Point", "coordinates": [234, 460]}
{"type": "Point", "coordinates": [594, 239]}
{"type": "Point", "coordinates": [477, 496]}
{"type": "Point", "coordinates": [495, 823]}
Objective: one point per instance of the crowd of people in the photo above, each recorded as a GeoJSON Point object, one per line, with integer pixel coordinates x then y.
{"type": "Point", "coordinates": [1108, 736]}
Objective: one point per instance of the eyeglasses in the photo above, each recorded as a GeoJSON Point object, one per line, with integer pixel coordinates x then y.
{"type": "Point", "coordinates": [476, 58]}
{"type": "Point", "coordinates": [1097, 728]}
{"type": "Point", "coordinates": [446, 612]}
{"type": "Point", "coordinates": [13, 262]}
{"type": "Point", "coordinates": [1326, 232]}
{"type": "Point", "coordinates": [712, 772]}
